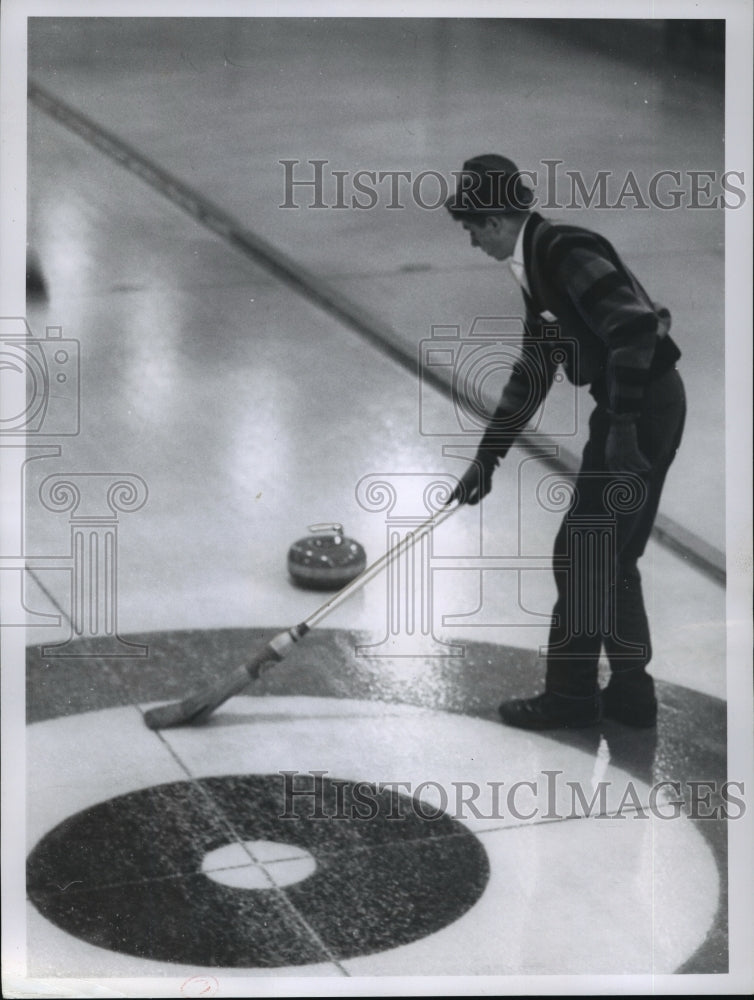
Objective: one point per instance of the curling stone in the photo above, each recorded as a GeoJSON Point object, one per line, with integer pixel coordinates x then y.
{"type": "Point", "coordinates": [327, 560]}
{"type": "Point", "coordinates": [36, 287]}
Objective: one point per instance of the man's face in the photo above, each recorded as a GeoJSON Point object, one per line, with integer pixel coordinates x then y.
{"type": "Point", "coordinates": [496, 235]}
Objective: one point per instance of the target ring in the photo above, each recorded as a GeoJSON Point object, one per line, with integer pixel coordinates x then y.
{"type": "Point", "coordinates": [498, 912]}
{"type": "Point", "coordinates": [128, 874]}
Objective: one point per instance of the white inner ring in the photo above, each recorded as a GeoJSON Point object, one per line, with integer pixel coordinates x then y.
{"type": "Point", "coordinates": [258, 864]}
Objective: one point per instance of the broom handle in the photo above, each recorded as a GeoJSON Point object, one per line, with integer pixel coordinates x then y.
{"type": "Point", "coordinates": [197, 707]}
{"type": "Point", "coordinates": [371, 571]}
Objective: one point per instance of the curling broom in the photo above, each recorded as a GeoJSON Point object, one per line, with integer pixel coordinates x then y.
{"type": "Point", "coordinates": [198, 707]}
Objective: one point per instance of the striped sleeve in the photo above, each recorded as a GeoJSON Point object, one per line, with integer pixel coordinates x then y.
{"type": "Point", "coordinates": [524, 392]}
{"type": "Point", "coordinates": [614, 307]}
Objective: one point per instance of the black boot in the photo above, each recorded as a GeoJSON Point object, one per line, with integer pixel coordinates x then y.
{"type": "Point", "coordinates": [551, 711]}
{"type": "Point", "coordinates": [630, 698]}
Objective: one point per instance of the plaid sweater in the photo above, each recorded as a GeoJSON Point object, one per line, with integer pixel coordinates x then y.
{"type": "Point", "coordinates": [607, 332]}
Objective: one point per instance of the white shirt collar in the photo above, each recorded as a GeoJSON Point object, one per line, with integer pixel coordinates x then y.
{"type": "Point", "coordinates": [516, 260]}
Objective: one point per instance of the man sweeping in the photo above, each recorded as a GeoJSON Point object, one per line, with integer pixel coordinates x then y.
{"type": "Point", "coordinates": [573, 279]}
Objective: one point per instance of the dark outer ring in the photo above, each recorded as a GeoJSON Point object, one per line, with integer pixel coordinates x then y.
{"type": "Point", "coordinates": [325, 665]}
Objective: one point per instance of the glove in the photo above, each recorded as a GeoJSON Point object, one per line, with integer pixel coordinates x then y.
{"type": "Point", "coordinates": [622, 452]}
{"type": "Point", "coordinates": [476, 482]}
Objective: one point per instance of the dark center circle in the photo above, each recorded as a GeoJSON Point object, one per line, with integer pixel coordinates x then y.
{"type": "Point", "coordinates": [126, 874]}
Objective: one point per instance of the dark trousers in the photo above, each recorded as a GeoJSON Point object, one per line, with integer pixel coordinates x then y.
{"type": "Point", "coordinates": [602, 537]}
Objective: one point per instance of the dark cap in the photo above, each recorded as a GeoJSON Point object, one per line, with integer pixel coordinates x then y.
{"type": "Point", "coordinates": [489, 185]}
